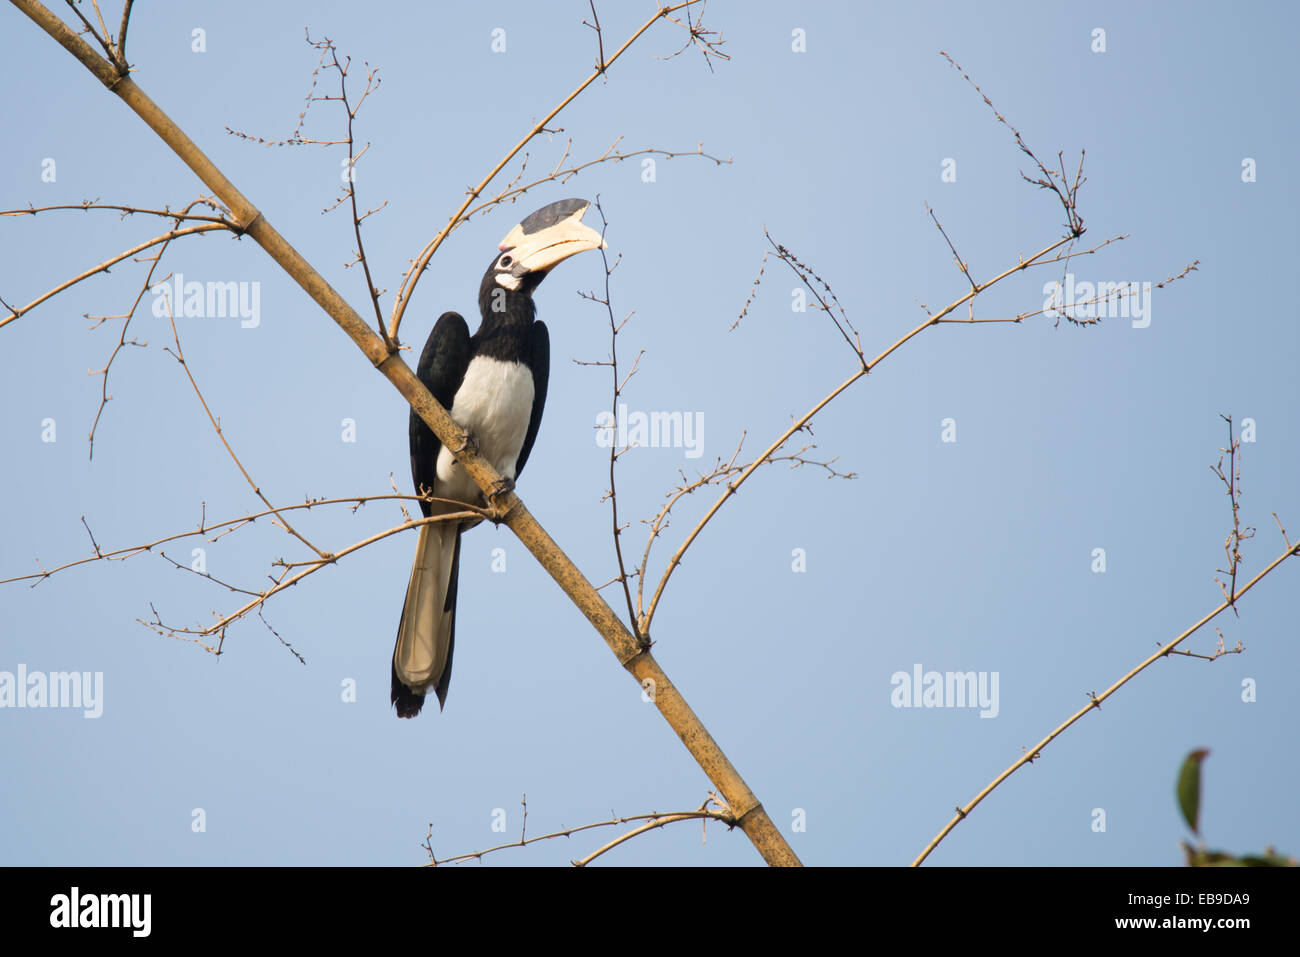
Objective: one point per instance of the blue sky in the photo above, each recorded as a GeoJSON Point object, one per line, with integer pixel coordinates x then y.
{"type": "Point", "coordinates": [967, 555]}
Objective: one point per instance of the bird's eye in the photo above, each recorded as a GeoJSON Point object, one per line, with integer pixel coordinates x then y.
{"type": "Point", "coordinates": [505, 262]}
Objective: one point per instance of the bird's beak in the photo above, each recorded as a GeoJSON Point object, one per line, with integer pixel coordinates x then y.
{"type": "Point", "coordinates": [550, 236]}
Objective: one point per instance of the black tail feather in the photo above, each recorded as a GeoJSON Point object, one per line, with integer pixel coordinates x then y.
{"type": "Point", "coordinates": [449, 608]}
{"type": "Point", "coordinates": [407, 701]}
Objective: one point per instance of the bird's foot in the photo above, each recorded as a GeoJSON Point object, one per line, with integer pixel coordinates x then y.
{"type": "Point", "coordinates": [467, 441]}
{"type": "Point", "coordinates": [500, 487]}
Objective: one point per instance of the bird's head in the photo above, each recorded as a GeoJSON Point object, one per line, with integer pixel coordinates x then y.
{"type": "Point", "coordinates": [533, 248]}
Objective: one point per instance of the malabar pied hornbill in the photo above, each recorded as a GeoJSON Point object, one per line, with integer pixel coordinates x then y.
{"type": "Point", "coordinates": [494, 385]}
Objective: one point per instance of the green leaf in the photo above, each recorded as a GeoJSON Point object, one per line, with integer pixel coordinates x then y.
{"type": "Point", "coordinates": [1189, 789]}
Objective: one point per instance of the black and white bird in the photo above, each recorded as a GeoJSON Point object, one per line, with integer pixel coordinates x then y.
{"type": "Point", "coordinates": [494, 385]}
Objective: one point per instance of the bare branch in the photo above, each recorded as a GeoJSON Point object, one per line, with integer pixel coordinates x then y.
{"type": "Point", "coordinates": [600, 37]}
{"type": "Point", "coordinates": [1232, 544]}
{"type": "Point", "coordinates": [562, 174]}
{"type": "Point", "coordinates": [412, 277]}
{"type": "Point", "coordinates": [1039, 258]}
{"type": "Point", "coordinates": [126, 317]}
{"type": "Point", "coordinates": [166, 237]}
{"type": "Point", "coordinates": [1095, 701]}
{"type": "Point", "coordinates": [165, 212]}
{"type": "Point", "coordinates": [1286, 538]}
{"type": "Point", "coordinates": [807, 276]}
{"type": "Point", "coordinates": [121, 34]}
{"type": "Point", "coordinates": [617, 390]}
{"type": "Point", "coordinates": [224, 528]}
{"type": "Point", "coordinates": [654, 819]}
{"type": "Point", "coordinates": [753, 292]}
{"type": "Point", "coordinates": [708, 42]}
{"type": "Point", "coordinates": [285, 580]}
{"type": "Point", "coordinates": [328, 50]}
{"type": "Point", "coordinates": [101, 39]}
{"type": "Point", "coordinates": [703, 812]}
{"type": "Point", "coordinates": [179, 356]}
{"type": "Point", "coordinates": [961, 263]}
{"type": "Point", "coordinates": [720, 473]}
{"type": "Point", "coordinates": [1055, 181]}
{"type": "Point", "coordinates": [1219, 651]}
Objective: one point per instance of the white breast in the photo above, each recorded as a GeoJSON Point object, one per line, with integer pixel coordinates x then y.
{"type": "Point", "coordinates": [495, 403]}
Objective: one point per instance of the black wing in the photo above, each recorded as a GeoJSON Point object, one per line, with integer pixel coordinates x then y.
{"type": "Point", "coordinates": [539, 361]}
{"type": "Point", "coordinates": [442, 369]}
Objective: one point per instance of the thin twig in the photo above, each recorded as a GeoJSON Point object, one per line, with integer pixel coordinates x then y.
{"type": "Point", "coordinates": [704, 812]}
{"type": "Point", "coordinates": [122, 342]}
{"type": "Point", "coordinates": [130, 211]}
{"type": "Point", "coordinates": [800, 423]}
{"type": "Point", "coordinates": [600, 37]}
{"type": "Point", "coordinates": [1095, 702]}
{"type": "Point", "coordinates": [166, 237]}
{"type": "Point", "coordinates": [121, 35]}
{"type": "Point", "coordinates": [407, 288]}
{"type": "Point", "coordinates": [179, 356]}
{"type": "Point", "coordinates": [617, 391]}
{"type": "Point", "coordinates": [285, 581]}
{"type": "Point", "coordinates": [227, 526]}
{"type": "Point", "coordinates": [1238, 534]}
